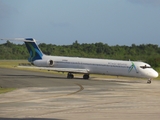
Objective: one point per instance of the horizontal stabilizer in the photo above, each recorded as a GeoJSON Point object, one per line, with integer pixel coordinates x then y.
{"type": "Point", "coordinates": [20, 39]}
{"type": "Point", "coordinates": [72, 70]}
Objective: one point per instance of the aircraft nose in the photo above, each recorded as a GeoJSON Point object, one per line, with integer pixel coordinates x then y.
{"type": "Point", "coordinates": [155, 74]}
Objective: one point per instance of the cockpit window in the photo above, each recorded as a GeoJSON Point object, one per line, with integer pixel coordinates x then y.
{"type": "Point", "coordinates": [145, 66]}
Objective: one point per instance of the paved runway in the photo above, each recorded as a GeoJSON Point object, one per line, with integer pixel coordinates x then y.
{"type": "Point", "coordinates": [44, 96]}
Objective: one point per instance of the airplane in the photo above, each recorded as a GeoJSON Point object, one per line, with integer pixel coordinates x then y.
{"type": "Point", "coordinates": [86, 66]}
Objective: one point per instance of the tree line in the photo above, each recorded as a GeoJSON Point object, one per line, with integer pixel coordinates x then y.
{"type": "Point", "coordinates": [149, 53]}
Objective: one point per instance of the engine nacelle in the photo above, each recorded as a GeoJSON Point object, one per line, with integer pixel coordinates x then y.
{"type": "Point", "coordinates": [43, 63]}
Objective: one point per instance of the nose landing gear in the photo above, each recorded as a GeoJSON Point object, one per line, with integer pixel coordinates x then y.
{"type": "Point", "coordinates": [149, 81]}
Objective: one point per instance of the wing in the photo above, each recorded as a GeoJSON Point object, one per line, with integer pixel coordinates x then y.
{"type": "Point", "coordinates": [72, 70]}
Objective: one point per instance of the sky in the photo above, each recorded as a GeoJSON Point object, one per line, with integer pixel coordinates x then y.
{"type": "Point", "coordinates": [62, 22]}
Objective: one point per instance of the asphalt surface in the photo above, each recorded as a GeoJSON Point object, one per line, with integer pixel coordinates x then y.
{"type": "Point", "coordinates": [45, 96]}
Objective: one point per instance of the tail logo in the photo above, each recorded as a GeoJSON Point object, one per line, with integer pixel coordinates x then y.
{"type": "Point", "coordinates": [34, 53]}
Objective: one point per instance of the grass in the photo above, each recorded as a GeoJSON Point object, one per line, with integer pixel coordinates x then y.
{"type": "Point", "coordinates": [5, 90]}
{"type": "Point", "coordinates": [11, 63]}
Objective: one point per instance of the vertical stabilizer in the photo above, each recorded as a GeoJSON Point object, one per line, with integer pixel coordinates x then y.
{"type": "Point", "coordinates": [33, 49]}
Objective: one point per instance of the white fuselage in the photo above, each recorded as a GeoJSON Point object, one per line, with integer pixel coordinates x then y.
{"type": "Point", "coordinates": [86, 66]}
{"type": "Point", "coordinates": [103, 66]}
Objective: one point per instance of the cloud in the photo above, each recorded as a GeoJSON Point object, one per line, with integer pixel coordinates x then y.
{"type": "Point", "coordinates": [146, 2]}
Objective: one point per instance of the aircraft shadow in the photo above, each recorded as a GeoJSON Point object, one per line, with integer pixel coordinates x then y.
{"type": "Point", "coordinates": [30, 119]}
{"type": "Point", "coordinates": [64, 78]}
{"type": "Point", "coordinates": [33, 76]}
{"type": "Point", "coordinates": [41, 76]}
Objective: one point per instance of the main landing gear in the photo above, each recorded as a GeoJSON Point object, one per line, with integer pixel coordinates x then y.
{"type": "Point", "coordinates": [149, 81]}
{"type": "Point", "coordinates": [86, 76]}
{"type": "Point", "coordinates": [71, 76]}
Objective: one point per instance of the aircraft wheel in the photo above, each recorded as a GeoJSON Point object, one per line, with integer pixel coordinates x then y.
{"type": "Point", "coordinates": [149, 81]}
{"type": "Point", "coordinates": [70, 76]}
{"type": "Point", "coordinates": [86, 76]}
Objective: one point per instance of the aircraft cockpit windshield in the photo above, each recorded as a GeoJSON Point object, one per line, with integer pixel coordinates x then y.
{"type": "Point", "coordinates": [145, 66]}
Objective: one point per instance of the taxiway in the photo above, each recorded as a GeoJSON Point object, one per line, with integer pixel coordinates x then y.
{"type": "Point", "coordinates": [45, 96]}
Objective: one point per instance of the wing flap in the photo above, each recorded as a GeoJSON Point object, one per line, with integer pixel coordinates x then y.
{"type": "Point", "coordinates": [72, 70]}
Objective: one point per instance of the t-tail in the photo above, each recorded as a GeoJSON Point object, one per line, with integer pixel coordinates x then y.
{"type": "Point", "coordinates": [33, 49]}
